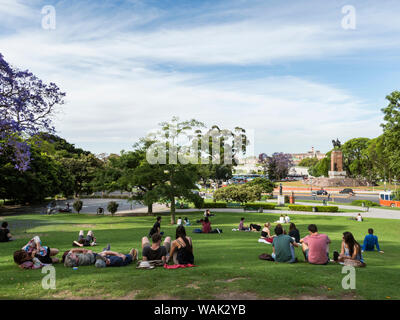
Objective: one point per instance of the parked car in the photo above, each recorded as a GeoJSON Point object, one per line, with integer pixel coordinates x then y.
{"type": "Point", "coordinates": [322, 192]}
{"type": "Point", "coordinates": [347, 191]}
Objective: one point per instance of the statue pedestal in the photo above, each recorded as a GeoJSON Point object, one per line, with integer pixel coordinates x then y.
{"type": "Point", "coordinates": [337, 174]}
{"type": "Point", "coordinates": [281, 200]}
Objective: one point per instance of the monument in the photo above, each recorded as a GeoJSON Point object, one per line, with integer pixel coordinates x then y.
{"type": "Point", "coordinates": [337, 161]}
{"type": "Point", "coordinates": [337, 175]}
{"type": "Point", "coordinates": [281, 197]}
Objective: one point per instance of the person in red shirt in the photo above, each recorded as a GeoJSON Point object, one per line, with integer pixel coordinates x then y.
{"type": "Point", "coordinates": [206, 226]}
{"type": "Point", "coordinates": [315, 246]}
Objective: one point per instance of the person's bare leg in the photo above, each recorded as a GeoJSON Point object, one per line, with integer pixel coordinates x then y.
{"type": "Point", "coordinates": [304, 247]}
{"type": "Point", "coordinates": [78, 244]}
{"type": "Point", "coordinates": [53, 251]}
{"type": "Point", "coordinates": [145, 241]}
{"type": "Point", "coordinates": [55, 260]}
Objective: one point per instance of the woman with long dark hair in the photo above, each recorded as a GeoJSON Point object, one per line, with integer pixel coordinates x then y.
{"type": "Point", "coordinates": [294, 233]}
{"type": "Point", "coordinates": [182, 248]}
{"type": "Point", "coordinates": [350, 253]}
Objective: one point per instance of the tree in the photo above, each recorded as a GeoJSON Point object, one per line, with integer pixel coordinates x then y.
{"type": "Point", "coordinates": [355, 157]}
{"type": "Point", "coordinates": [82, 170]}
{"type": "Point", "coordinates": [322, 167]}
{"type": "Point", "coordinates": [78, 204]}
{"type": "Point", "coordinates": [26, 108]}
{"type": "Point", "coordinates": [277, 166]}
{"type": "Point", "coordinates": [239, 193]}
{"type": "Point", "coordinates": [391, 131]}
{"type": "Point", "coordinates": [267, 186]}
{"type": "Point", "coordinates": [112, 207]}
{"type": "Point", "coordinates": [43, 178]}
{"type": "Point", "coordinates": [308, 162]}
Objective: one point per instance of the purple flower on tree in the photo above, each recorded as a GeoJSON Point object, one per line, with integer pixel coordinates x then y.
{"type": "Point", "coordinates": [26, 108]}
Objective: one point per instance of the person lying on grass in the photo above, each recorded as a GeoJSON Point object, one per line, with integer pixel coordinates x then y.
{"type": "Point", "coordinates": [5, 234]}
{"type": "Point", "coordinates": [89, 241]}
{"type": "Point", "coordinates": [115, 259]}
{"type": "Point", "coordinates": [78, 257]}
{"type": "Point", "coordinates": [315, 246]}
{"type": "Point", "coordinates": [182, 248]}
{"type": "Point", "coordinates": [283, 247]}
{"type": "Point", "coordinates": [350, 254]}
{"type": "Point", "coordinates": [155, 251]}
{"type": "Point", "coordinates": [34, 249]}
{"type": "Point", "coordinates": [370, 241]}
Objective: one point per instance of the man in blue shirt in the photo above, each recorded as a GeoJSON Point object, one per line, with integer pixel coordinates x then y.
{"type": "Point", "coordinates": [115, 259]}
{"type": "Point", "coordinates": [370, 241]}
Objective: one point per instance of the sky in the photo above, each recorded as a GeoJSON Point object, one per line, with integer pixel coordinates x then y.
{"type": "Point", "coordinates": [287, 71]}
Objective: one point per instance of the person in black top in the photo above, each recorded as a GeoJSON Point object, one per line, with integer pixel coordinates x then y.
{"type": "Point", "coordinates": [181, 248]}
{"type": "Point", "coordinates": [156, 228]}
{"type": "Point", "coordinates": [294, 233]}
{"type": "Point", "coordinates": [5, 234]}
{"type": "Point", "coordinates": [156, 251]}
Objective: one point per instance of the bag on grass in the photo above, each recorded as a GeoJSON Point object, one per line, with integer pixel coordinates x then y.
{"type": "Point", "coordinates": [266, 256]}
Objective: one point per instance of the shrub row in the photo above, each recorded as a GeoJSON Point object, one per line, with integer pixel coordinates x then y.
{"type": "Point", "coordinates": [367, 203]}
{"type": "Point", "coordinates": [209, 205]}
{"type": "Point", "coordinates": [269, 206]}
{"type": "Point", "coordinates": [310, 208]}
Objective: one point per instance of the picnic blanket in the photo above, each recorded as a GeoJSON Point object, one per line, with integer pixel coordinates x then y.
{"type": "Point", "coordinates": [265, 240]}
{"type": "Point", "coordinates": [176, 266]}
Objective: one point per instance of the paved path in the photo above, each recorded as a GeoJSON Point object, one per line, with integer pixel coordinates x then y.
{"type": "Point", "coordinates": [372, 213]}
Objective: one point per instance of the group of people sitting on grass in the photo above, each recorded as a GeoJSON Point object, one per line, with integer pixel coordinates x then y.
{"type": "Point", "coordinates": [315, 246]}
{"type": "Point", "coordinates": [35, 255]}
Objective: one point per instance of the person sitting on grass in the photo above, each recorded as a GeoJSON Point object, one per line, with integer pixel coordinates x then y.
{"type": "Point", "coordinates": [281, 219]}
{"type": "Point", "coordinates": [156, 228]}
{"type": "Point", "coordinates": [89, 241]}
{"type": "Point", "coordinates": [283, 247]}
{"type": "Point", "coordinates": [206, 227]}
{"type": "Point", "coordinates": [287, 219]}
{"type": "Point", "coordinates": [242, 227]}
{"type": "Point", "coordinates": [350, 254]}
{"type": "Point", "coordinates": [208, 214]}
{"type": "Point", "coordinates": [156, 251]}
{"type": "Point", "coordinates": [5, 234]}
{"type": "Point", "coordinates": [266, 232]}
{"type": "Point", "coordinates": [182, 248]}
{"type": "Point", "coordinates": [115, 259]}
{"type": "Point", "coordinates": [186, 222]}
{"type": "Point", "coordinates": [44, 254]}
{"type": "Point", "coordinates": [294, 233]}
{"type": "Point", "coordinates": [179, 222]}
{"type": "Point", "coordinates": [315, 246]}
{"type": "Point", "coordinates": [370, 241]}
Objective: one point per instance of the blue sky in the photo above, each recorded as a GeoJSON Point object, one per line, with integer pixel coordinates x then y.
{"type": "Point", "coordinates": [287, 70]}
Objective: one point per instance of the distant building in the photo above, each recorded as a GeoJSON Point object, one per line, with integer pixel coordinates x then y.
{"type": "Point", "coordinates": [297, 157]}
{"type": "Point", "coordinates": [247, 166]}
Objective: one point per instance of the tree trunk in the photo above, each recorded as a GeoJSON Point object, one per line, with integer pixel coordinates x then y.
{"type": "Point", "coordinates": [173, 210]}
{"type": "Point", "coordinates": [150, 209]}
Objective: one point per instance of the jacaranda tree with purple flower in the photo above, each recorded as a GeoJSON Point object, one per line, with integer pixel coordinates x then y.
{"type": "Point", "coordinates": [26, 108]}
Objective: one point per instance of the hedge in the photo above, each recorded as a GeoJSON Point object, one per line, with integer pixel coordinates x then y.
{"type": "Point", "coordinates": [310, 208]}
{"type": "Point", "coordinates": [269, 206]}
{"type": "Point", "coordinates": [210, 205]}
{"type": "Point", "coordinates": [367, 203]}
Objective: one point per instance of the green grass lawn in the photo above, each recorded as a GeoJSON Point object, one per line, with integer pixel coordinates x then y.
{"type": "Point", "coordinates": [227, 264]}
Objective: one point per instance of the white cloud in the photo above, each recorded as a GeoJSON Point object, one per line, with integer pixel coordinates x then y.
{"type": "Point", "coordinates": [115, 94]}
